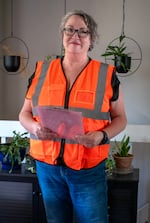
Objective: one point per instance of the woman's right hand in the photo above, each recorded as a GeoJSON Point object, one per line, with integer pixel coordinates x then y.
{"type": "Point", "coordinates": [32, 126]}
{"type": "Point", "coordinates": [44, 133]}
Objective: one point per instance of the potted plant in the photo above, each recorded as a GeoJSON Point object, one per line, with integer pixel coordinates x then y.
{"type": "Point", "coordinates": [123, 158]}
{"type": "Point", "coordinates": [109, 164]}
{"type": "Point", "coordinates": [51, 57]}
{"type": "Point", "coordinates": [121, 58]}
{"type": "Point", "coordinates": [13, 153]}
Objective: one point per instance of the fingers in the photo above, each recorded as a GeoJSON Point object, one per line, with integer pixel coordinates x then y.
{"type": "Point", "coordinates": [89, 140]}
{"type": "Point", "coordinates": [44, 133]}
{"type": "Point", "coordinates": [85, 140]}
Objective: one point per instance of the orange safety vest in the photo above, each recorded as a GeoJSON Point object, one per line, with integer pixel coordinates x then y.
{"type": "Point", "coordinates": [90, 94]}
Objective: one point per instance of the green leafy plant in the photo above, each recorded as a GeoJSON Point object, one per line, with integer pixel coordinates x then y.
{"type": "Point", "coordinates": [119, 54]}
{"type": "Point", "coordinates": [30, 164]}
{"type": "Point", "coordinates": [122, 148]}
{"type": "Point", "coordinates": [110, 164]}
{"type": "Point", "coordinates": [116, 50]}
{"type": "Point", "coordinates": [12, 151]}
{"type": "Point", "coordinates": [51, 57]}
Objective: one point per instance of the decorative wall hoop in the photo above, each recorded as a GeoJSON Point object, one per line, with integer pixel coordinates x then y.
{"type": "Point", "coordinates": [15, 48]}
{"type": "Point", "coordinates": [135, 52]}
{"type": "Point", "coordinates": [13, 45]}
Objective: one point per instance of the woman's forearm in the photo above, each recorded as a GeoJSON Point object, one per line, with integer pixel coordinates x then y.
{"type": "Point", "coordinates": [27, 121]}
{"type": "Point", "coordinates": [117, 125]}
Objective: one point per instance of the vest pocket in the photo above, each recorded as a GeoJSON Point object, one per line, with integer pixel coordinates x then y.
{"type": "Point", "coordinates": [52, 95]}
{"type": "Point", "coordinates": [97, 153]}
{"type": "Point", "coordinates": [85, 97]}
{"type": "Point", "coordinates": [73, 156]}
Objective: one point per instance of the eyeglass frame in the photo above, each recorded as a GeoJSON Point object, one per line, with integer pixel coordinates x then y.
{"type": "Point", "coordinates": [78, 31]}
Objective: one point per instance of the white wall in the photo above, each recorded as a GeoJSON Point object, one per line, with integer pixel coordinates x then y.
{"type": "Point", "coordinates": [37, 23]}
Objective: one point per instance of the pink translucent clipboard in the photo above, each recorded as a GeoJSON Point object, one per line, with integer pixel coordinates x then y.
{"type": "Point", "coordinates": [66, 123]}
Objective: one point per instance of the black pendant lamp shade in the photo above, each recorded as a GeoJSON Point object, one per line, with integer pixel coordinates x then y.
{"type": "Point", "coordinates": [11, 63]}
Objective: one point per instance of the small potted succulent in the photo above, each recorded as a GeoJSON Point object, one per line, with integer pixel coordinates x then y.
{"type": "Point", "coordinates": [13, 153]}
{"type": "Point", "coordinates": [122, 156]}
{"type": "Point", "coordinates": [121, 58]}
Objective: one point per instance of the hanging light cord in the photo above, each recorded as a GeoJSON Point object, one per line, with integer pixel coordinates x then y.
{"type": "Point", "coordinates": [62, 47]}
{"type": "Point", "coordinates": [123, 19]}
{"type": "Point", "coordinates": [11, 17]}
{"type": "Point", "coordinates": [65, 7]}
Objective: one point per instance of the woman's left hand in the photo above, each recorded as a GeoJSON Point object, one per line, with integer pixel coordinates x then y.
{"type": "Point", "coordinates": [90, 139]}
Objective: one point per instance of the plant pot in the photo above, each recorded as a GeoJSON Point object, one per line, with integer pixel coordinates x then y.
{"type": "Point", "coordinates": [6, 165]}
{"type": "Point", "coordinates": [122, 63]}
{"type": "Point", "coordinates": [11, 63]}
{"type": "Point", "coordinates": [123, 164]}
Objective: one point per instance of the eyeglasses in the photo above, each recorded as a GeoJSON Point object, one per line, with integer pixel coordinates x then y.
{"type": "Point", "coordinates": [71, 31]}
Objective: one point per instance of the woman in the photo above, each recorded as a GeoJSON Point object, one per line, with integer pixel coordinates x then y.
{"type": "Point", "coordinates": [71, 173]}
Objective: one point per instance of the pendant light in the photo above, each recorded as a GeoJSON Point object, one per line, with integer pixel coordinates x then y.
{"type": "Point", "coordinates": [129, 47]}
{"type": "Point", "coordinates": [14, 53]}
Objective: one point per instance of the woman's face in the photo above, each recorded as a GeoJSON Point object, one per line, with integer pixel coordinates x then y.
{"type": "Point", "coordinates": [72, 41]}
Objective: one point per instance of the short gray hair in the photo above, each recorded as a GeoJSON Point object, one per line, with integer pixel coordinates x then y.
{"type": "Point", "coordinates": [89, 21]}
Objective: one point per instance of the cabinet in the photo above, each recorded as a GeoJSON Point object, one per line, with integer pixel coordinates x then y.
{"type": "Point", "coordinates": [21, 199]}
{"type": "Point", "coordinates": [122, 197]}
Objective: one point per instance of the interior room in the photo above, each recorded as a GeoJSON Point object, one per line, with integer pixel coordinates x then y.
{"type": "Point", "coordinates": [34, 25]}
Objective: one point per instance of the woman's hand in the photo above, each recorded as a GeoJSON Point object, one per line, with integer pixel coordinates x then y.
{"type": "Point", "coordinates": [91, 139]}
{"type": "Point", "coordinates": [26, 119]}
{"type": "Point", "coordinates": [44, 133]}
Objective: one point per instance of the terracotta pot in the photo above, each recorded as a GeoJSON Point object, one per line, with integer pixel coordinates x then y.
{"type": "Point", "coordinates": [123, 163]}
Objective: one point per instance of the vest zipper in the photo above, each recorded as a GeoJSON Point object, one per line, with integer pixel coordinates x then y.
{"type": "Point", "coordinates": [60, 158]}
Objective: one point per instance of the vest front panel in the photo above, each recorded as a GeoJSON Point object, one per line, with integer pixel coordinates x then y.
{"type": "Point", "coordinates": [90, 94]}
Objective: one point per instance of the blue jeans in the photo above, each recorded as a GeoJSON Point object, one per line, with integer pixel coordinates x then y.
{"type": "Point", "coordinates": [67, 192]}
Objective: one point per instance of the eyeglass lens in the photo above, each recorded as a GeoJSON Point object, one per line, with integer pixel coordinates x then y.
{"type": "Point", "coordinates": [80, 32]}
